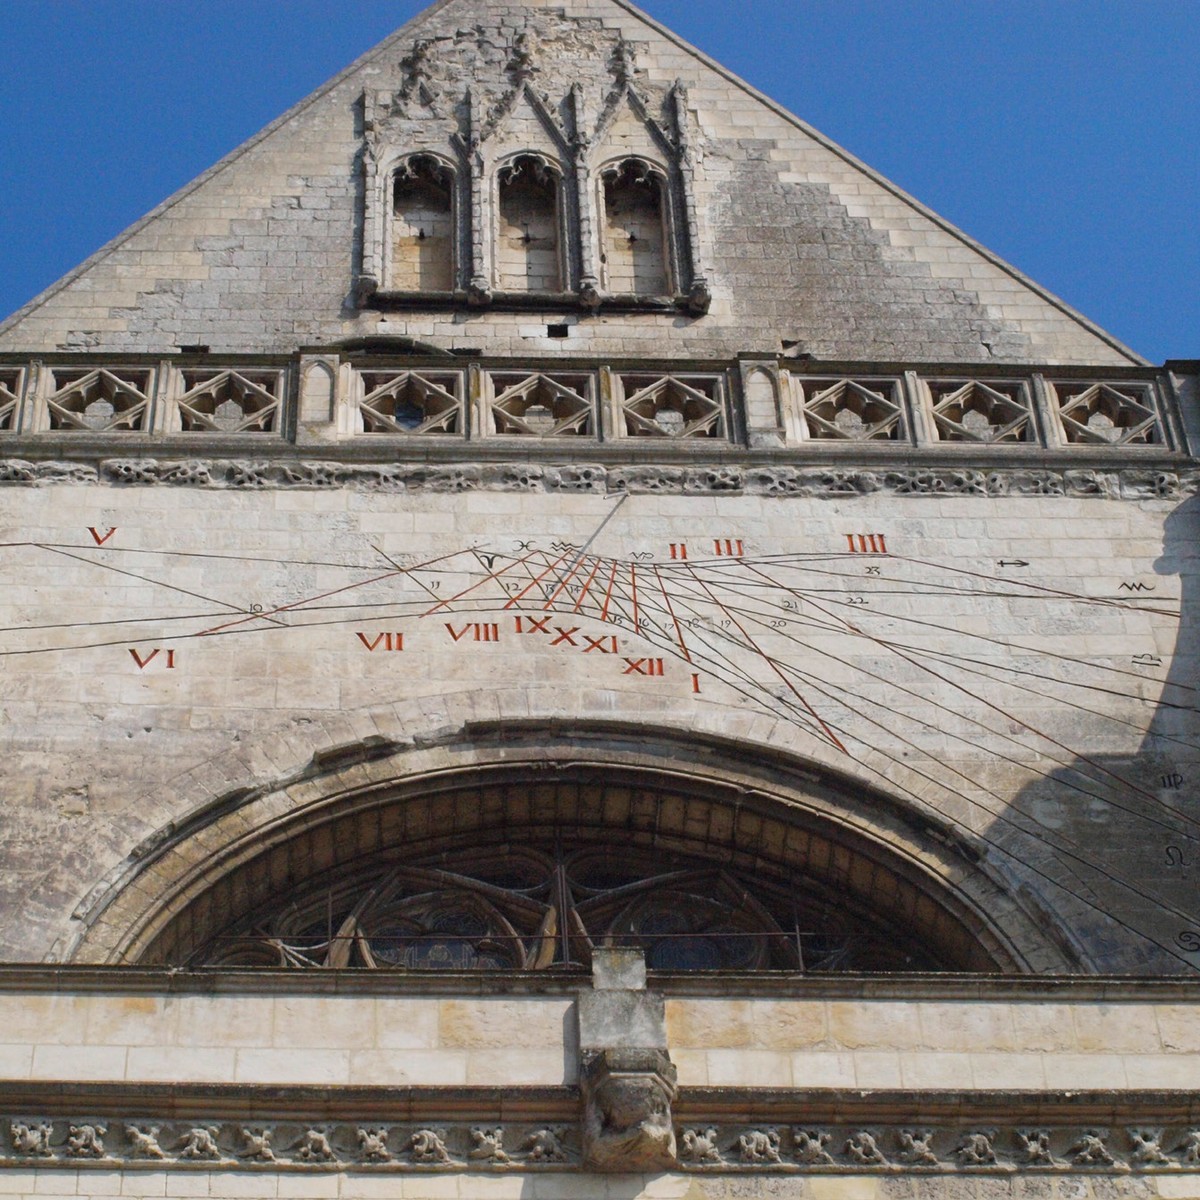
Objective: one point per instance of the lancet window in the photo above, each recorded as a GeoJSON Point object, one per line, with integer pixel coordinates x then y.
{"type": "Point", "coordinates": [636, 235]}
{"type": "Point", "coordinates": [422, 226]}
{"type": "Point", "coordinates": [529, 250]}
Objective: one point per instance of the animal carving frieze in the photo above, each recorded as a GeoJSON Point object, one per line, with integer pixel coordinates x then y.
{"type": "Point", "coordinates": [314, 1147]}
{"type": "Point", "coordinates": [700, 1146]}
{"type": "Point", "coordinates": [1147, 1146]}
{"type": "Point", "coordinates": [862, 1147]}
{"type": "Point", "coordinates": [31, 1138]}
{"type": "Point", "coordinates": [625, 1115]}
{"type": "Point", "coordinates": [257, 1145]}
{"type": "Point", "coordinates": [760, 1146]}
{"type": "Point", "coordinates": [975, 1150]}
{"type": "Point", "coordinates": [144, 1142]}
{"type": "Point", "coordinates": [544, 1146]}
{"type": "Point", "coordinates": [200, 1143]}
{"type": "Point", "coordinates": [86, 1141]}
{"type": "Point", "coordinates": [487, 1145]}
{"type": "Point", "coordinates": [427, 1146]}
{"type": "Point", "coordinates": [810, 1147]}
{"type": "Point", "coordinates": [1091, 1151]}
{"type": "Point", "coordinates": [373, 1145]}
{"type": "Point", "coordinates": [916, 1148]}
{"type": "Point", "coordinates": [1035, 1145]}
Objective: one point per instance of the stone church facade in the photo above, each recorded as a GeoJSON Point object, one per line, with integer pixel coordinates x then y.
{"type": "Point", "coordinates": [564, 638]}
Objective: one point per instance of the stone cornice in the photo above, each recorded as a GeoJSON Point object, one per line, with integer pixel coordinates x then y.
{"type": "Point", "coordinates": [994, 989]}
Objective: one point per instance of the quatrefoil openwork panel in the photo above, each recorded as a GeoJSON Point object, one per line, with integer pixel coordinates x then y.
{"type": "Point", "coordinates": [853, 410]}
{"type": "Point", "coordinates": [674, 406]}
{"type": "Point", "coordinates": [527, 909]}
{"type": "Point", "coordinates": [231, 401]}
{"type": "Point", "coordinates": [542, 405]}
{"type": "Point", "coordinates": [411, 402]}
{"type": "Point", "coordinates": [100, 401]}
{"type": "Point", "coordinates": [1109, 415]}
{"type": "Point", "coordinates": [994, 412]}
{"type": "Point", "coordinates": [10, 391]}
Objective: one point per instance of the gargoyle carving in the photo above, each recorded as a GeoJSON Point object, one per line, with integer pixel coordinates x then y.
{"type": "Point", "coordinates": [627, 1122]}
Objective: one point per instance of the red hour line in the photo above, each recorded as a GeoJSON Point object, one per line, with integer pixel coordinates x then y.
{"type": "Point", "coordinates": [521, 595]}
{"type": "Point", "coordinates": [585, 590]}
{"type": "Point", "coordinates": [478, 584]}
{"type": "Point", "coordinates": [561, 587]}
{"type": "Point", "coordinates": [608, 594]}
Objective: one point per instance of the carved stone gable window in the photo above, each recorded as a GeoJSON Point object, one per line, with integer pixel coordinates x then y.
{"type": "Point", "coordinates": [542, 405]}
{"type": "Point", "coordinates": [410, 402]}
{"type": "Point", "coordinates": [510, 190]}
{"type": "Point", "coordinates": [1105, 414]}
{"type": "Point", "coordinates": [100, 401]}
{"type": "Point", "coordinates": [231, 401]}
{"type": "Point", "coordinates": [856, 410]}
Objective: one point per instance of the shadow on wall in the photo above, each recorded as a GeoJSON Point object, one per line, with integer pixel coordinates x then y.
{"type": "Point", "coordinates": [1123, 831]}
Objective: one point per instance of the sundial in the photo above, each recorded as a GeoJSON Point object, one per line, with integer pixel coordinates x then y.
{"type": "Point", "coordinates": [883, 656]}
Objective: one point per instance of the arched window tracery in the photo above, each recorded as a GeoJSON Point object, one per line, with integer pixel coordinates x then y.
{"type": "Point", "coordinates": [527, 909]}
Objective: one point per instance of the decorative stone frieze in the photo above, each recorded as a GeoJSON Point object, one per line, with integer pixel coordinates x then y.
{"type": "Point", "coordinates": [717, 479]}
{"type": "Point", "coordinates": [633, 1132]}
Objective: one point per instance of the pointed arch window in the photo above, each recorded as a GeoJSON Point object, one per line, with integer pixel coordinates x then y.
{"type": "Point", "coordinates": [636, 237]}
{"type": "Point", "coordinates": [529, 233]}
{"type": "Point", "coordinates": [422, 226]}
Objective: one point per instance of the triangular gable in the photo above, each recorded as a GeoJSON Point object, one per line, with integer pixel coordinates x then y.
{"type": "Point", "coordinates": [261, 248]}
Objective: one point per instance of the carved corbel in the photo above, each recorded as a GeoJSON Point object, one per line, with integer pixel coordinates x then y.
{"type": "Point", "coordinates": [627, 1122]}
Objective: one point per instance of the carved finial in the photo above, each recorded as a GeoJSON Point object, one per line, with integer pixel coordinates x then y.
{"type": "Point", "coordinates": [624, 63]}
{"type": "Point", "coordinates": [523, 63]}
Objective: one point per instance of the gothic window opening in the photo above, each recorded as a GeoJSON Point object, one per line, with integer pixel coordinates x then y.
{"type": "Point", "coordinates": [673, 406]}
{"type": "Point", "coordinates": [635, 231]}
{"type": "Point", "coordinates": [982, 412]}
{"type": "Point", "coordinates": [528, 237]}
{"type": "Point", "coordinates": [422, 226]}
{"type": "Point", "coordinates": [853, 410]}
{"type": "Point", "coordinates": [1101, 414]}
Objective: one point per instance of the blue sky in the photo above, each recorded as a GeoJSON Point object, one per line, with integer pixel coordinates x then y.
{"type": "Point", "coordinates": [1062, 134]}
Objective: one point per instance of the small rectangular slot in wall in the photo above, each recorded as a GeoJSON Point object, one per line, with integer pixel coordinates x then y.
{"type": "Point", "coordinates": [558, 331]}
